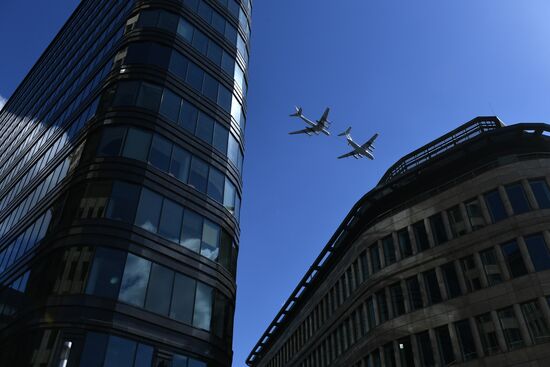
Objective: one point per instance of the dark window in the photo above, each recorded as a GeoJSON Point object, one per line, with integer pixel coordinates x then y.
{"type": "Point", "coordinates": [181, 161]}
{"type": "Point", "coordinates": [404, 243]}
{"type": "Point", "coordinates": [218, 22]}
{"type": "Point", "coordinates": [438, 229]}
{"type": "Point", "coordinates": [517, 198]}
{"type": "Point", "coordinates": [191, 233]}
{"type": "Point", "coordinates": [220, 138]}
{"type": "Point", "coordinates": [210, 88]}
{"type": "Point", "coordinates": [148, 18]}
{"type": "Point", "coordinates": [538, 328]}
{"type": "Point", "coordinates": [188, 117]}
{"type": "Point", "coordinates": [144, 356]}
{"type": "Point", "coordinates": [425, 349]}
{"type": "Point", "coordinates": [203, 307]}
{"type": "Point", "coordinates": [148, 213]}
{"type": "Point", "coordinates": [406, 354]}
{"type": "Point", "coordinates": [490, 266]}
{"type": "Point", "coordinates": [487, 331]}
{"type": "Point", "coordinates": [216, 181]}
{"type": "Point", "coordinates": [370, 313]}
{"type": "Point", "coordinates": [475, 215]}
{"type": "Point", "coordinates": [123, 202]}
{"type": "Point", "coordinates": [471, 273]}
{"type": "Point", "coordinates": [375, 258]}
{"type": "Point", "coordinates": [421, 236]}
{"type": "Point", "coordinates": [159, 55]}
{"type": "Point", "coordinates": [382, 306]}
{"type": "Point", "coordinates": [495, 206]}
{"type": "Point", "coordinates": [542, 192]}
{"type": "Point", "coordinates": [93, 353]}
{"type": "Point", "coordinates": [106, 274]}
{"type": "Point", "coordinates": [111, 141]}
{"type": "Point", "coordinates": [456, 221]}
{"type": "Point", "coordinates": [389, 355]}
{"type": "Point", "coordinates": [198, 177]}
{"type": "Point", "coordinates": [415, 295]}
{"type": "Point", "coordinates": [445, 346]}
{"type": "Point", "coordinates": [168, 21]}
{"type": "Point", "coordinates": [451, 280]}
{"type": "Point", "coordinates": [94, 200]}
{"type": "Point", "coordinates": [389, 250]}
{"type": "Point", "coordinates": [398, 301]}
{"type": "Point", "coordinates": [161, 150]}
{"type": "Point", "coordinates": [170, 105]}
{"type": "Point", "coordinates": [538, 250]}
{"type": "Point", "coordinates": [134, 280]}
{"type": "Point", "coordinates": [149, 96]}
{"type": "Point", "coordinates": [432, 286]}
{"type": "Point", "coordinates": [466, 340]}
{"type": "Point", "coordinates": [185, 30]}
{"type": "Point", "coordinates": [510, 328]}
{"type": "Point", "coordinates": [215, 53]}
{"type": "Point", "coordinates": [200, 42]}
{"type": "Point", "coordinates": [364, 265]}
{"type": "Point", "coordinates": [120, 352]}
{"type": "Point", "coordinates": [137, 144]}
{"type": "Point", "coordinates": [159, 291]}
{"type": "Point", "coordinates": [183, 299]}
{"type": "Point", "coordinates": [195, 76]}
{"type": "Point", "coordinates": [225, 99]}
{"type": "Point", "coordinates": [126, 94]}
{"type": "Point", "coordinates": [170, 220]}
{"type": "Point", "coordinates": [376, 360]}
{"type": "Point", "coordinates": [514, 260]}
{"type": "Point", "coordinates": [205, 128]}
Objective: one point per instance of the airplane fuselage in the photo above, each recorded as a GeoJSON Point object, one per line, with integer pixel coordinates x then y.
{"type": "Point", "coordinates": [359, 150]}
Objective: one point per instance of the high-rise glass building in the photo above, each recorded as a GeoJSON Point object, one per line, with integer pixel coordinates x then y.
{"type": "Point", "coordinates": [120, 188]}
{"type": "Point", "coordinates": [446, 262]}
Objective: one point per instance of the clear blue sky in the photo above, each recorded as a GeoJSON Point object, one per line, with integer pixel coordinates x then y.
{"type": "Point", "coordinates": [408, 70]}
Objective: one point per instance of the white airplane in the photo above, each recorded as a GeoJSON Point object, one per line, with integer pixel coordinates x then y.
{"type": "Point", "coordinates": [320, 126]}
{"type": "Point", "coordinates": [359, 151]}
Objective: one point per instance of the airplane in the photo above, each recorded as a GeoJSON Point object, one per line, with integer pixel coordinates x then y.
{"type": "Point", "coordinates": [359, 151]}
{"type": "Point", "coordinates": [320, 126]}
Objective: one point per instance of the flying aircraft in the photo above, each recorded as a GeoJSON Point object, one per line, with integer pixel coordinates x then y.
{"type": "Point", "coordinates": [359, 151]}
{"type": "Point", "coordinates": [320, 126]}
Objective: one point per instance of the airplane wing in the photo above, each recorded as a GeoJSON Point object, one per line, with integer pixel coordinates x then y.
{"type": "Point", "coordinates": [307, 130]}
{"type": "Point", "coordinates": [324, 119]}
{"type": "Point", "coordinates": [368, 144]}
{"type": "Point", "coordinates": [350, 154]}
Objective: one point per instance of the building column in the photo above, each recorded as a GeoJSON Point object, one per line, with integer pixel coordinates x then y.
{"type": "Point", "coordinates": [481, 270]}
{"type": "Point", "coordinates": [502, 264]}
{"type": "Point", "coordinates": [477, 337]}
{"type": "Point", "coordinates": [460, 276]}
{"type": "Point", "coordinates": [484, 210]}
{"type": "Point", "coordinates": [429, 232]}
{"type": "Point", "coordinates": [397, 354]}
{"type": "Point", "coordinates": [530, 195]}
{"type": "Point", "coordinates": [498, 330]}
{"type": "Point", "coordinates": [412, 237]}
{"type": "Point", "coordinates": [406, 296]}
{"type": "Point", "coordinates": [455, 342]}
{"type": "Point", "coordinates": [447, 224]}
{"type": "Point", "coordinates": [522, 325]}
{"type": "Point", "coordinates": [435, 346]}
{"type": "Point", "coordinates": [505, 201]}
{"type": "Point", "coordinates": [441, 283]}
{"type": "Point", "coordinates": [465, 216]}
{"type": "Point", "coordinates": [396, 247]}
{"type": "Point", "coordinates": [525, 253]}
{"type": "Point", "coordinates": [545, 309]}
{"type": "Point", "coordinates": [415, 350]}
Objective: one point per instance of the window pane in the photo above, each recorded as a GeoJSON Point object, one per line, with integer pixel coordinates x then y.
{"type": "Point", "coordinates": [215, 53]}
{"type": "Point", "coordinates": [398, 301]}
{"type": "Point", "coordinates": [210, 240]}
{"type": "Point", "coordinates": [210, 88]}
{"type": "Point", "coordinates": [200, 42]}
{"type": "Point", "coordinates": [542, 192]}
{"type": "Point", "coordinates": [137, 144]}
{"type": "Point", "coordinates": [438, 229]}
{"type": "Point", "coordinates": [517, 198]}
{"type": "Point", "coordinates": [198, 177]}
{"type": "Point", "coordinates": [170, 105]}
{"type": "Point", "coordinates": [406, 352]}
{"type": "Point", "coordinates": [134, 280]}
{"type": "Point", "coordinates": [148, 212]}
{"type": "Point", "coordinates": [216, 181]}
{"type": "Point", "coordinates": [183, 299]}
{"type": "Point", "coordinates": [149, 96]}
{"type": "Point", "coordinates": [170, 220]}
{"type": "Point", "coordinates": [229, 196]}
{"type": "Point", "coordinates": [93, 352]}
{"type": "Point", "coordinates": [168, 21]}
{"type": "Point", "coordinates": [510, 327]}
{"type": "Point", "coordinates": [538, 252]}
{"type": "Point", "coordinates": [421, 236]}
{"type": "Point", "coordinates": [106, 274]}
{"type": "Point", "coordinates": [185, 30]}
{"type": "Point", "coordinates": [487, 331]}
{"type": "Point", "coordinates": [111, 141]}
{"type": "Point", "coordinates": [196, 363]}
{"type": "Point", "coordinates": [123, 202]}
{"type": "Point", "coordinates": [188, 117]}
{"type": "Point", "coordinates": [514, 260]}
{"type": "Point", "coordinates": [404, 243]}
{"type": "Point", "coordinates": [203, 306]}
{"type": "Point", "coordinates": [432, 287]}
{"type": "Point", "coordinates": [451, 280]}
{"type": "Point", "coordinates": [220, 138]}
{"type": "Point", "coordinates": [389, 250]}
{"type": "Point", "coordinates": [179, 65]}
{"type": "Point", "coordinates": [471, 273]}
{"type": "Point", "coordinates": [126, 94]}
{"type": "Point", "coordinates": [490, 266]}
{"type": "Point", "coordinates": [120, 352]}
{"type": "Point", "coordinates": [383, 311]}
{"type": "Point", "coordinates": [466, 340]}
{"type": "Point", "coordinates": [195, 75]}
{"type": "Point", "coordinates": [179, 167]}
{"type": "Point", "coordinates": [475, 215]}
{"type": "Point", "coordinates": [148, 18]}
{"type": "Point", "coordinates": [233, 150]}
{"type": "Point", "coordinates": [159, 292]}
{"type": "Point", "coordinates": [371, 316]}
{"type": "Point", "coordinates": [205, 128]}
{"type": "Point", "coordinates": [538, 328]}
{"type": "Point", "coordinates": [425, 349]}
{"type": "Point", "coordinates": [445, 346]}
{"type": "Point", "coordinates": [161, 150]}
{"type": "Point", "coordinates": [415, 295]}
{"type": "Point", "coordinates": [179, 361]}
{"type": "Point", "coordinates": [389, 355]}
{"type": "Point", "coordinates": [144, 356]}
{"type": "Point", "coordinates": [192, 231]}
{"type": "Point", "coordinates": [458, 226]}
{"type": "Point", "coordinates": [495, 206]}
{"type": "Point", "coordinates": [375, 258]}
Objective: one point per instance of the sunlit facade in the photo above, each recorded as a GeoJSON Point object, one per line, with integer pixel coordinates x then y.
{"type": "Point", "coordinates": [121, 156]}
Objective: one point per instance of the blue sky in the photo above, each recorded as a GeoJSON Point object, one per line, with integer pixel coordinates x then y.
{"type": "Point", "coordinates": [408, 70]}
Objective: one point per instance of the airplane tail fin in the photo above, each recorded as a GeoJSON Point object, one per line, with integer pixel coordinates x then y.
{"type": "Point", "coordinates": [345, 133]}
{"type": "Point", "coordinates": [298, 112]}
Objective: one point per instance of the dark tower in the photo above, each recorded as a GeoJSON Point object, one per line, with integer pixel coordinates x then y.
{"type": "Point", "coordinates": [120, 188]}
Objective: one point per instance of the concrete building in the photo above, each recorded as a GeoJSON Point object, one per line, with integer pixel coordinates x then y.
{"type": "Point", "coordinates": [445, 262]}
{"type": "Point", "coordinates": [120, 188]}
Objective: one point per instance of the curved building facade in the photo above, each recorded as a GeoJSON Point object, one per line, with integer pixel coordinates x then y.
{"type": "Point", "coordinates": [445, 262]}
{"type": "Point", "coordinates": [120, 188]}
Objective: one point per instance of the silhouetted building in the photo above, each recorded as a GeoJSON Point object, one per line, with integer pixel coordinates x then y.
{"type": "Point", "coordinates": [120, 187]}
{"type": "Point", "coordinates": [445, 262]}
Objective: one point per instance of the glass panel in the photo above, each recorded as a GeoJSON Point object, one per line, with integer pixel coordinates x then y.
{"type": "Point", "coordinates": [229, 196]}
{"type": "Point", "coordinates": [421, 236]}
{"type": "Point", "coordinates": [215, 53]}
{"type": "Point", "coordinates": [389, 250]}
{"type": "Point", "coordinates": [106, 274]}
{"type": "Point", "coordinates": [490, 266]}
{"type": "Point", "coordinates": [188, 117]}
{"type": "Point", "coordinates": [432, 287]}
{"type": "Point", "coordinates": [159, 292]}
{"type": "Point", "coordinates": [510, 328]}
{"type": "Point", "coordinates": [179, 65]}
{"type": "Point", "coordinates": [111, 141]}
{"type": "Point", "coordinates": [375, 258]}
{"type": "Point", "coordinates": [471, 273]}
{"type": "Point", "coordinates": [514, 260]}
{"type": "Point", "coordinates": [170, 220]}
{"type": "Point", "coordinates": [495, 206]}
{"type": "Point", "coordinates": [196, 363]}
{"type": "Point", "coordinates": [148, 212]}
{"type": "Point", "coordinates": [216, 182]}
{"type": "Point", "coordinates": [170, 105]}
{"type": "Point", "coordinates": [134, 280]}
{"type": "Point", "coordinates": [168, 21]}
{"type": "Point", "coordinates": [415, 295]}
{"type": "Point", "coordinates": [123, 202]}
{"type": "Point", "coordinates": [398, 301]}
{"type": "Point", "coordinates": [198, 177]}
{"type": "Point", "coordinates": [210, 240]}
{"type": "Point", "coordinates": [404, 243]}
{"type": "Point", "coordinates": [203, 307]}
{"type": "Point", "coordinates": [137, 144]}
{"type": "Point", "coordinates": [451, 280]}
{"type": "Point", "coordinates": [205, 128]}
{"type": "Point", "coordinates": [185, 30]}
{"type": "Point", "coordinates": [120, 352]}
{"type": "Point", "coordinates": [221, 135]}
{"type": "Point", "coordinates": [192, 231]}
{"type": "Point", "coordinates": [445, 345]}
{"type": "Point", "coordinates": [542, 192]}
{"type": "Point", "coordinates": [183, 299]}
{"type": "Point", "coordinates": [517, 198]}
{"type": "Point", "coordinates": [475, 215]}
{"type": "Point", "coordinates": [438, 229]}
{"type": "Point", "coordinates": [389, 355]}
{"type": "Point", "coordinates": [425, 349]}
{"type": "Point", "coordinates": [488, 334]}
{"type": "Point", "coordinates": [179, 361]}
{"type": "Point", "coordinates": [126, 94]}
{"type": "Point", "coordinates": [161, 150]}
{"type": "Point", "coordinates": [93, 352]}
{"type": "Point", "coordinates": [210, 88]}
{"type": "Point", "coordinates": [406, 352]}
{"type": "Point", "coordinates": [181, 161]}
{"type": "Point", "coordinates": [149, 96]}
{"type": "Point", "coordinates": [466, 340]}
{"type": "Point", "coordinates": [538, 250]}
{"type": "Point", "coordinates": [195, 75]}
{"type": "Point", "coordinates": [538, 328]}
{"type": "Point", "coordinates": [144, 356]}
{"type": "Point", "coordinates": [200, 42]}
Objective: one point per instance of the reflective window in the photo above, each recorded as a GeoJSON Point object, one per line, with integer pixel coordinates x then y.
{"type": "Point", "coordinates": [137, 144]}
{"type": "Point", "coordinates": [490, 266]}
{"type": "Point", "coordinates": [536, 323]}
{"type": "Point", "coordinates": [188, 117]}
{"type": "Point", "coordinates": [161, 151]}
{"type": "Point", "coordinates": [198, 176]}
{"type": "Point", "coordinates": [538, 250]}
{"type": "Point", "coordinates": [210, 240]}
{"type": "Point", "coordinates": [191, 233]}
{"type": "Point", "coordinates": [111, 141]}
{"type": "Point", "coordinates": [421, 236]}
{"type": "Point", "coordinates": [510, 328]}
{"type": "Point", "coordinates": [432, 287]}
{"type": "Point", "coordinates": [203, 307]}
{"type": "Point", "coordinates": [495, 206]}
{"type": "Point", "coordinates": [221, 136]}
{"type": "Point", "coordinates": [170, 220]}
{"type": "Point", "coordinates": [487, 331]}
{"type": "Point", "coordinates": [513, 258]}
{"type": "Point", "coordinates": [415, 295]}
{"type": "Point", "coordinates": [126, 94]}
{"type": "Point", "coordinates": [93, 352]}
{"type": "Point", "coordinates": [106, 274]}
{"type": "Point", "coordinates": [375, 258]}
{"type": "Point", "coordinates": [230, 193]}
{"type": "Point", "coordinates": [438, 229]}
{"type": "Point", "coordinates": [120, 352]}
{"type": "Point", "coordinates": [94, 201]}
{"type": "Point", "coordinates": [159, 291]}
{"type": "Point", "coordinates": [404, 243]}
{"type": "Point", "coordinates": [123, 202]}
{"type": "Point", "coordinates": [425, 350]}
{"type": "Point", "coordinates": [456, 221]}
{"type": "Point", "coordinates": [149, 96]}
{"type": "Point", "coordinates": [389, 250]}
{"type": "Point", "coordinates": [445, 346]}
{"type": "Point", "coordinates": [471, 273]}
{"type": "Point", "coordinates": [148, 213]}
{"type": "Point", "coordinates": [398, 301]}
{"type": "Point", "coordinates": [183, 299]}
{"type": "Point", "coordinates": [134, 280]}
{"type": "Point", "coordinates": [517, 198]}
{"type": "Point", "coordinates": [102, 350]}
{"type": "Point", "coordinates": [205, 128]}
{"type": "Point", "coordinates": [179, 166]}
{"type": "Point", "coordinates": [451, 280]}
{"type": "Point", "coordinates": [475, 215]}
{"type": "Point", "coordinates": [466, 340]}
{"type": "Point", "coordinates": [216, 181]}
{"type": "Point", "coordinates": [541, 191]}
